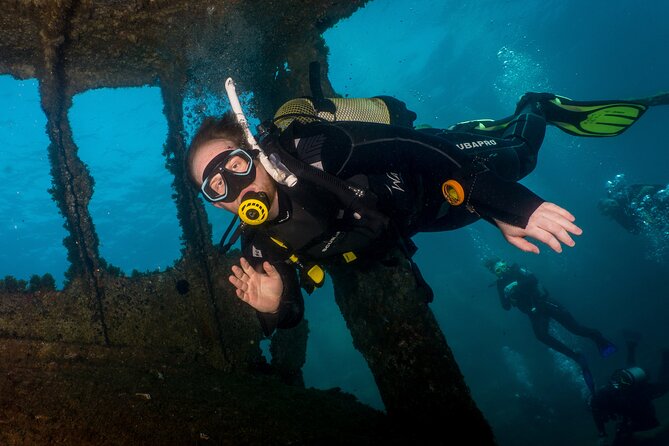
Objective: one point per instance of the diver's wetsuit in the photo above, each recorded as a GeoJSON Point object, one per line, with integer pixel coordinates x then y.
{"type": "Point", "coordinates": [630, 406]}
{"type": "Point", "coordinates": [405, 170]}
{"type": "Point", "coordinates": [520, 288]}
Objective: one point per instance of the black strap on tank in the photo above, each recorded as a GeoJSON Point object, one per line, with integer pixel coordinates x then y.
{"type": "Point", "coordinates": [321, 103]}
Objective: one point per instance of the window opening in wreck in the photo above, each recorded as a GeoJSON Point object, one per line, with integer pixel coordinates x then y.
{"type": "Point", "coordinates": [200, 102]}
{"type": "Point", "coordinates": [120, 134]}
{"type": "Point", "coordinates": [32, 227]}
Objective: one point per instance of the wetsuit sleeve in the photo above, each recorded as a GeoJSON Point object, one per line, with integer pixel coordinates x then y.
{"type": "Point", "coordinates": [291, 308]}
{"type": "Point", "coordinates": [508, 201]}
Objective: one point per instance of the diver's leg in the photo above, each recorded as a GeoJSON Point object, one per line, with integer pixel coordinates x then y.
{"type": "Point", "coordinates": [540, 326]}
{"type": "Point", "coordinates": [509, 147]}
{"type": "Point", "coordinates": [529, 127]}
{"type": "Point", "coordinates": [567, 320]}
{"type": "Point", "coordinates": [511, 155]}
{"type": "Point", "coordinates": [533, 103]}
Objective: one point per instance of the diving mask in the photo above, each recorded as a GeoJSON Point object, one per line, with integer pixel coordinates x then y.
{"type": "Point", "coordinates": [227, 175]}
{"type": "Point", "coordinates": [501, 268]}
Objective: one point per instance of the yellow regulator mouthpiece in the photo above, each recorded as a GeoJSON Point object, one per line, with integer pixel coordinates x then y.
{"type": "Point", "coordinates": [453, 192]}
{"type": "Point", "coordinates": [254, 208]}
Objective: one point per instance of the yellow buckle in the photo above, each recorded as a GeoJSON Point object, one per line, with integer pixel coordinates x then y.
{"type": "Point", "coordinates": [349, 256]}
{"type": "Point", "coordinates": [317, 275]}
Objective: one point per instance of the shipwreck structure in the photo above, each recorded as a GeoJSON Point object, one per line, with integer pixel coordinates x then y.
{"type": "Point", "coordinates": [170, 357]}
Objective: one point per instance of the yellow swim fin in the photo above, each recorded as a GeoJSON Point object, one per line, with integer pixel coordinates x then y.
{"type": "Point", "coordinates": [593, 118]}
{"type": "Point", "coordinates": [579, 118]}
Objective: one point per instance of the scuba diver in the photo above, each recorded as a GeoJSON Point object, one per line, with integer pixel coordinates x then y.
{"type": "Point", "coordinates": [635, 206]}
{"type": "Point", "coordinates": [318, 189]}
{"type": "Point", "coordinates": [518, 287]}
{"type": "Point", "coordinates": [628, 398]}
{"type": "Point", "coordinates": [642, 209]}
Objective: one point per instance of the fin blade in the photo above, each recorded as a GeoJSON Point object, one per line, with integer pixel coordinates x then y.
{"type": "Point", "coordinates": [658, 99]}
{"type": "Point", "coordinates": [592, 118]}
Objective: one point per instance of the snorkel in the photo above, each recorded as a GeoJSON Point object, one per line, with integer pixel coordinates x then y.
{"type": "Point", "coordinates": [254, 207]}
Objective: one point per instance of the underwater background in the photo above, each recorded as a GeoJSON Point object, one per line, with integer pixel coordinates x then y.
{"type": "Point", "coordinates": [449, 61]}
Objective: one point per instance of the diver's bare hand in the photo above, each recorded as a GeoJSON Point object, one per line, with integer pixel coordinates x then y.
{"type": "Point", "coordinates": [549, 224]}
{"type": "Point", "coordinates": [261, 289]}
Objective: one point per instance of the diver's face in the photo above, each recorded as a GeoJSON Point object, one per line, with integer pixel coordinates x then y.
{"type": "Point", "coordinates": [501, 268]}
{"type": "Point", "coordinates": [220, 159]}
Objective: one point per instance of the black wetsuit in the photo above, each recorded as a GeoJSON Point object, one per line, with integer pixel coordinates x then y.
{"type": "Point", "coordinates": [403, 169]}
{"type": "Point", "coordinates": [630, 406]}
{"type": "Point", "coordinates": [520, 288]}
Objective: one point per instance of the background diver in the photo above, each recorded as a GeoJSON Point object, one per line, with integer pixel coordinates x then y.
{"type": "Point", "coordinates": [365, 188]}
{"type": "Point", "coordinates": [628, 398]}
{"type": "Point", "coordinates": [636, 207]}
{"type": "Point", "coordinates": [518, 287]}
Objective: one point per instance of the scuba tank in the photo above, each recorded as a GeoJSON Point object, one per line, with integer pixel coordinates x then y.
{"type": "Point", "coordinates": [378, 109]}
{"type": "Point", "coordinates": [628, 377]}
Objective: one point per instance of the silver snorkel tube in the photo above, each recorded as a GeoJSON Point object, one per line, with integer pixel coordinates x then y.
{"type": "Point", "coordinates": [272, 164]}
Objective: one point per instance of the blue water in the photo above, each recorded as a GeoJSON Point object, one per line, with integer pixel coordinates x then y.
{"type": "Point", "coordinates": [449, 61]}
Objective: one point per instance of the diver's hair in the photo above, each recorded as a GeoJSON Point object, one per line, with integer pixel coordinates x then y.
{"type": "Point", "coordinates": [490, 262]}
{"type": "Point", "coordinates": [225, 127]}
